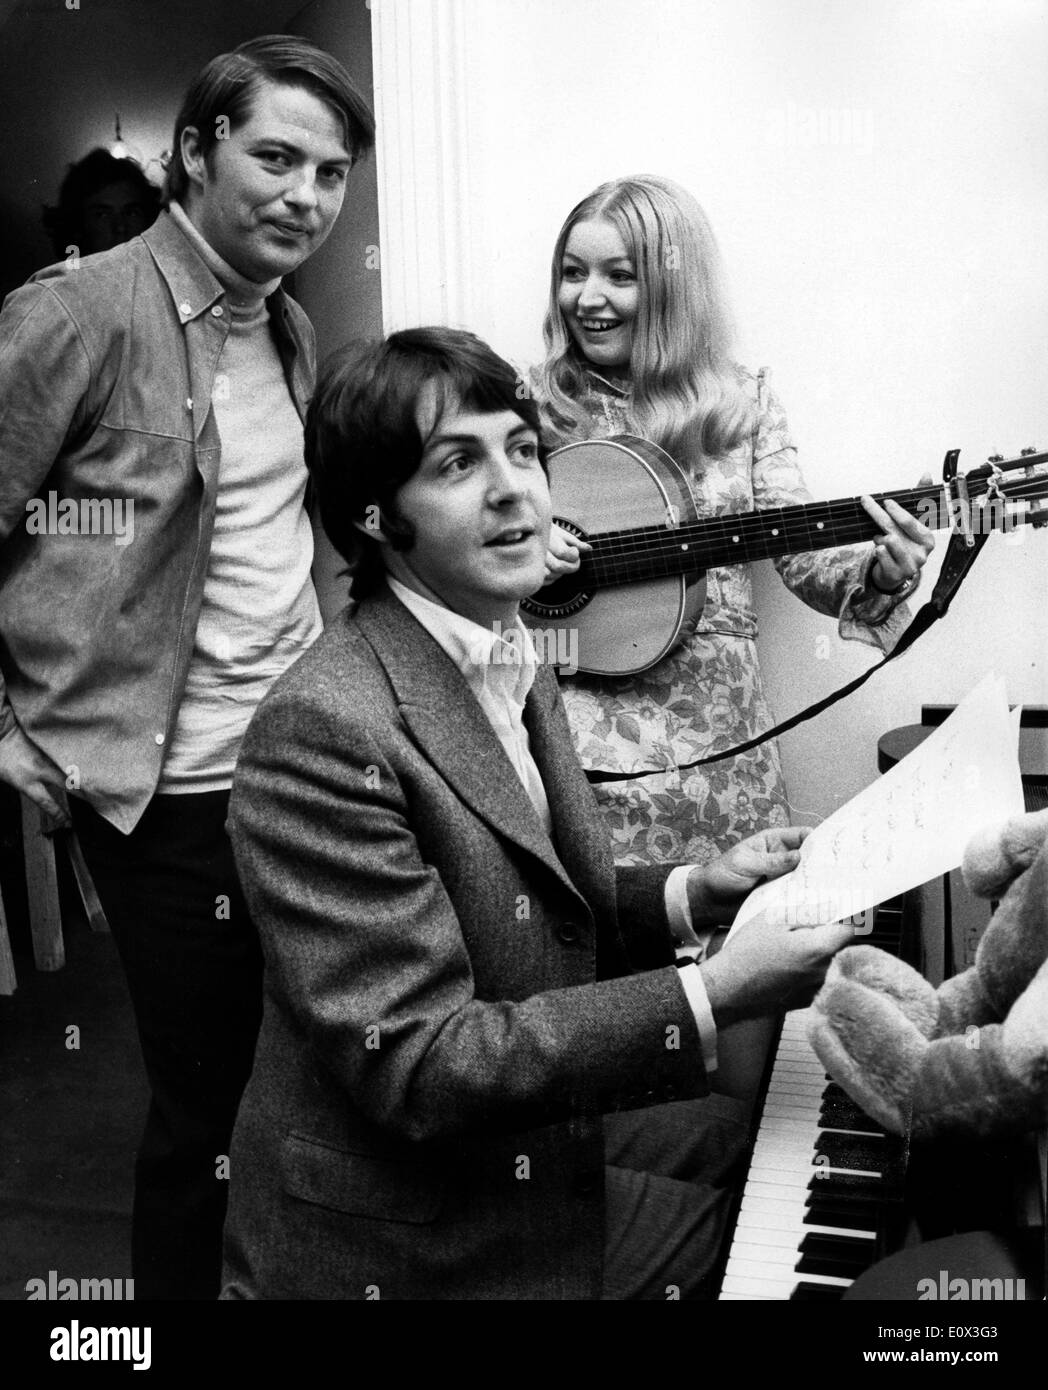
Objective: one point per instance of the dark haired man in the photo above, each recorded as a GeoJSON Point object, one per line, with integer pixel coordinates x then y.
{"type": "Point", "coordinates": [171, 375]}
{"type": "Point", "coordinates": [460, 989]}
{"type": "Point", "coordinates": [102, 202]}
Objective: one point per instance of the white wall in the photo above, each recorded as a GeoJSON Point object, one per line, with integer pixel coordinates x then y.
{"type": "Point", "coordinates": [875, 170]}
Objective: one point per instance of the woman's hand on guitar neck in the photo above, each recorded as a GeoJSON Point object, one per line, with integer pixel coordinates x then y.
{"type": "Point", "coordinates": [902, 548]}
{"type": "Point", "coordinates": [564, 554]}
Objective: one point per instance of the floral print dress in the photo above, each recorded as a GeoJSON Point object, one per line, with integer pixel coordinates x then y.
{"type": "Point", "coordinates": [707, 695]}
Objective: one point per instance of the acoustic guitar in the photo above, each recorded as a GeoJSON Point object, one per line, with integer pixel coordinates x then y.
{"type": "Point", "coordinates": [644, 580]}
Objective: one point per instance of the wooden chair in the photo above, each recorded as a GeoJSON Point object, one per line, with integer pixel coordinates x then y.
{"type": "Point", "coordinates": [45, 917]}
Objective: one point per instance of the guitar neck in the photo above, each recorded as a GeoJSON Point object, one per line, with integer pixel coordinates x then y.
{"type": "Point", "coordinates": [655, 552]}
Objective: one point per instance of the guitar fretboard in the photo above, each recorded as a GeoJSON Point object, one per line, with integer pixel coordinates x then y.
{"type": "Point", "coordinates": [653, 552]}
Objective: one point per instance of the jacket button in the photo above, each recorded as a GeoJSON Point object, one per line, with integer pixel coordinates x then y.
{"type": "Point", "coordinates": [568, 932]}
{"type": "Point", "coordinates": [217, 311]}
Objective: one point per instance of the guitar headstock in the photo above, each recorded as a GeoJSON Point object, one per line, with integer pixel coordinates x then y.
{"type": "Point", "coordinates": [1032, 486]}
{"type": "Point", "coordinates": [1028, 458]}
{"type": "Point", "coordinates": [1000, 494]}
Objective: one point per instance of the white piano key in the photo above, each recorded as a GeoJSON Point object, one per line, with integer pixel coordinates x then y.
{"type": "Point", "coordinates": [767, 1231]}
{"type": "Point", "coordinates": [804, 1097]}
{"type": "Point", "coordinates": [753, 1288]}
{"type": "Point", "coordinates": [760, 1254]}
{"type": "Point", "coordinates": [763, 1188]}
{"type": "Point", "coordinates": [797, 1084]}
{"type": "Point", "coordinates": [771, 1283]}
{"type": "Point", "coordinates": [771, 1205]}
{"type": "Point", "coordinates": [796, 1069]}
{"type": "Point", "coordinates": [771, 1222]}
{"type": "Point", "coordinates": [791, 1225]}
{"type": "Point", "coordinates": [832, 1280]}
{"type": "Point", "coordinates": [791, 1119]}
{"type": "Point", "coordinates": [772, 1155]}
{"type": "Point", "coordinates": [794, 1124]}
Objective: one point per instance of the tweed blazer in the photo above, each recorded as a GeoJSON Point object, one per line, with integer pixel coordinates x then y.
{"type": "Point", "coordinates": [453, 997]}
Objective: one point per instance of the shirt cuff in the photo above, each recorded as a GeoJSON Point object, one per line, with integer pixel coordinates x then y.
{"type": "Point", "coordinates": [695, 989]}
{"type": "Point", "coordinates": [678, 916]}
{"type": "Point", "coordinates": [872, 606]}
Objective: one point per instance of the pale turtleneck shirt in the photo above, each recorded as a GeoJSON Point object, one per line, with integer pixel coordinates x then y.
{"type": "Point", "coordinates": [499, 667]}
{"type": "Point", "coordinates": [259, 610]}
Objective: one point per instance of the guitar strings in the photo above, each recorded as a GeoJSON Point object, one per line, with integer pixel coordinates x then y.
{"type": "Point", "coordinates": [814, 525]}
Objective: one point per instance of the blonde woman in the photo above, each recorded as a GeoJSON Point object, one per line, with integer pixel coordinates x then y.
{"type": "Point", "coordinates": [639, 341]}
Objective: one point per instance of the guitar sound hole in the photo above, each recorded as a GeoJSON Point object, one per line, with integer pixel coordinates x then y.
{"type": "Point", "coordinates": [564, 596]}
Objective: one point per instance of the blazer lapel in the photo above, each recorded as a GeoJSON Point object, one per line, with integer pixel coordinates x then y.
{"type": "Point", "coordinates": [582, 841]}
{"type": "Point", "coordinates": [450, 727]}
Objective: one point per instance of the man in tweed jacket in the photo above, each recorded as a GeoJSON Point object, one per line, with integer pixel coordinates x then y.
{"type": "Point", "coordinates": [469, 1013]}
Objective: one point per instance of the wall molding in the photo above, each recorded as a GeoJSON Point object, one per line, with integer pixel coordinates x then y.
{"type": "Point", "coordinates": [423, 161]}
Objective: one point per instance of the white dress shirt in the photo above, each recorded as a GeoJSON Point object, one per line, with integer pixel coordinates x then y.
{"type": "Point", "coordinates": [499, 666]}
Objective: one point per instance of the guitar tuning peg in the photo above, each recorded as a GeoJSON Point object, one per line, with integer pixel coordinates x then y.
{"type": "Point", "coordinates": [995, 458]}
{"type": "Point", "coordinates": [1030, 449]}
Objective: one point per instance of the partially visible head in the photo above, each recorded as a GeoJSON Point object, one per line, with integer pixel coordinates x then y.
{"type": "Point", "coordinates": [437, 412]}
{"type": "Point", "coordinates": [637, 290]}
{"type": "Point", "coordinates": [263, 143]}
{"type": "Point", "coordinates": [103, 202]}
{"type": "Point", "coordinates": [668, 241]}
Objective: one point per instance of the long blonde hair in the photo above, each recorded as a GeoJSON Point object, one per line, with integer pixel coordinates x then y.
{"type": "Point", "coordinates": [685, 383]}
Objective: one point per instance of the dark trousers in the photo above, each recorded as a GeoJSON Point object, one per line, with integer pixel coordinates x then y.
{"type": "Point", "coordinates": [194, 970]}
{"type": "Point", "coordinates": [669, 1179]}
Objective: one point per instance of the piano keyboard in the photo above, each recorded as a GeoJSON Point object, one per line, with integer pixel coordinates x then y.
{"type": "Point", "coordinates": [823, 1178]}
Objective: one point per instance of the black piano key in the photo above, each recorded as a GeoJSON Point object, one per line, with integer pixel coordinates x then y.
{"type": "Point", "coordinates": [834, 1247]}
{"type": "Point", "coordinates": [842, 1113]}
{"type": "Point", "coordinates": [843, 1256]}
{"type": "Point", "coordinates": [865, 1152]}
{"type": "Point", "coordinates": [866, 1196]}
{"type": "Point", "coordinates": [845, 1185]}
{"type": "Point", "coordinates": [851, 1216]}
{"type": "Point", "coordinates": [840, 1269]}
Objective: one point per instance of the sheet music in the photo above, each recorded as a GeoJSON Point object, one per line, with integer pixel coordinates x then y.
{"type": "Point", "coordinates": [909, 826]}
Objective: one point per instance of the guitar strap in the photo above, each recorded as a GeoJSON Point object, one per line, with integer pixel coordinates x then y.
{"type": "Point", "coordinates": [961, 554]}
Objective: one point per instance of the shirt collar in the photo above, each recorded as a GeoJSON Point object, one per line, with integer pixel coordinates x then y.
{"type": "Point", "coordinates": [192, 285]}
{"type": "Point", "coordinates": [494, 661]}
{"type": "Point", "coordinates": [241, 290]}
{"type": "Point", "coordinates": [603, 386]}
